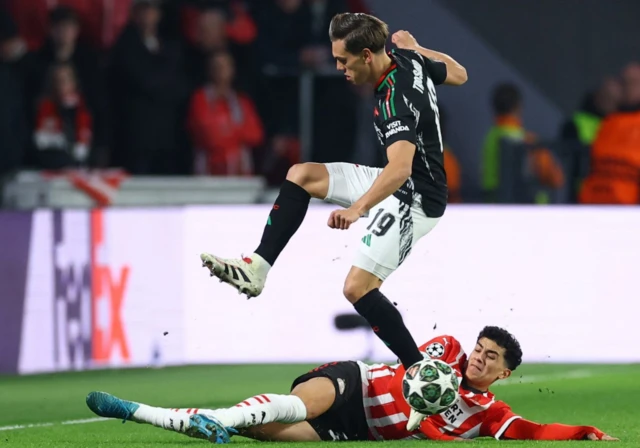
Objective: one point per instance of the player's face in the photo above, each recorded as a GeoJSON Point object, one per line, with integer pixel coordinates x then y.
{"type": "Point", "coordinates": [355, 67]}
{"type": "Point", "coordinates": [486, 364]}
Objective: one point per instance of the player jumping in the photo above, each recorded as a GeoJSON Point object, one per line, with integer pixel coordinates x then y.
{"type": "Point", "coordinates": [356, 401]}
{"type": "Point", "coordinates": [403, 201]}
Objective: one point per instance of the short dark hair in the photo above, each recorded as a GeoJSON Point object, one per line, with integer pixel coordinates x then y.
{"type": "Point", "coordinates": [63, 14]}
{"type": "Point", "coordinates": [506, 99]}
{"type": "Point", "coordinates": [359, 31]}
{"type": "Point", "coordinates": [504, 339]}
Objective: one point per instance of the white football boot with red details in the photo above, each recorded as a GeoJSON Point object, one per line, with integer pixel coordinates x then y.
{"type": "Point", "coordinates": [247, 274]}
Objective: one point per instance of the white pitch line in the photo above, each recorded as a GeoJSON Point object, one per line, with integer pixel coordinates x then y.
{"type": "Point", "coordinates": [42, 425]}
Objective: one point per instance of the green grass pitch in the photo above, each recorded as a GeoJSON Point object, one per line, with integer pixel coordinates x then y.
{"type": "Point", "coordinates": [599, 395]}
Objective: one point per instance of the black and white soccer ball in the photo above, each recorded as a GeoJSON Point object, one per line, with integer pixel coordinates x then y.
{"type": "Point", "coordinates": [430, 386]}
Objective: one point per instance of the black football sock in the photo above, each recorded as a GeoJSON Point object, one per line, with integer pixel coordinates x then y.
{"type": "Point", "coordinates": [386, 321]}
{"type": "Point", "coordinates": [287, 214]}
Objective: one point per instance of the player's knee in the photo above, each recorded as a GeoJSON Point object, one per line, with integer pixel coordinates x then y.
{"type": "Point", "coordinates": [354, 290]}
{"type": "Point", "coordinates": [300, 174]}
{"type": "Point", "coordinates": [317, 395]}
{"type": "Point", "coordinates": [313, 177]}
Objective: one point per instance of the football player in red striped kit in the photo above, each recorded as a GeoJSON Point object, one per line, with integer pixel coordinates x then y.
{"type": "Point", "coordinates": [357, 401]}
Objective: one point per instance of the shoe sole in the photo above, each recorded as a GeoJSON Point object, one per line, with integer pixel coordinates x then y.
{"type": "Point", "coordinates": [207, 429]}
{"type": "Point", "coordinates": [217, 269]}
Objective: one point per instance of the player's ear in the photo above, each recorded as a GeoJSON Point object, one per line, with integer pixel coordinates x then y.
{"type": "Point", "coordinates": [506, 373]}
{"type": "Point", "coordinates": [366, 55]}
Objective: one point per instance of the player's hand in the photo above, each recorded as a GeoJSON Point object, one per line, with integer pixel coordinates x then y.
{"type": "Point", "coordinates": [404, 39]}
{"type": "Point", "coordinates": [342, 219]}
{"type": "Point", "coordinates": [607, 437]}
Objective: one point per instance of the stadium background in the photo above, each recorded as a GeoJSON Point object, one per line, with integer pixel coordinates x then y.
{"type": "Point", "coordinates": [99, 269]}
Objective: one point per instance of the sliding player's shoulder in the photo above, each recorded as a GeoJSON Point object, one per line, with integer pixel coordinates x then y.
{"type": "Point", "coordinates": [445, 347]}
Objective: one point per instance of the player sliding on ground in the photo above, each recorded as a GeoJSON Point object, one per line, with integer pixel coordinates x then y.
{"type": "Point", "coordinates": [356, 401]}
{"type": "Point", "coordinates": [402, 202]}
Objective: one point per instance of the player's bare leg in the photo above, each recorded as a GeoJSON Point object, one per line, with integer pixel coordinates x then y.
{"type": "Point", "coordinates": [248, 274]}
{"type": "Point", "coordinates": [280, 432]}
{"type": "Point", "coordinates": [361, 288]}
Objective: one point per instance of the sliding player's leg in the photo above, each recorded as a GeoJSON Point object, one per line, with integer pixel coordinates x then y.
{"type": "Point", "coordinates": [393, 228]}
{"type": "Point", "coordinates": [327, 399]}
{"type": "Point", "coordinates": [282, 432]}
{"type": "Point", "coordinates": [312, 396]}
{"type": "Point", "coordinates": [216, 425]}
{"type": "Point", "coordinates": [248, 274]}
{"type": "Point", "coordinates": [173, 419]}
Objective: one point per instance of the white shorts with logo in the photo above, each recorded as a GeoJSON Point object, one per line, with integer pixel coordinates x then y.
{"type": "Point", "coordinates": [392, 227]}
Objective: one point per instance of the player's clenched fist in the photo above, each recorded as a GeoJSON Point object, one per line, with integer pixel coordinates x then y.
{"type": "Point", "coordinates": [404, 39]}
{"type": "Point", "coordinates": [342, 219]}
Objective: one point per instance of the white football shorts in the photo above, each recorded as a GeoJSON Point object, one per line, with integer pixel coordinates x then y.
{"type": "Point", "coordinates": [393, 227]}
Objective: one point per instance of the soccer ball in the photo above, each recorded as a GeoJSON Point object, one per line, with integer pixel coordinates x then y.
{"type": "Point", "coordinates": [430, 386]}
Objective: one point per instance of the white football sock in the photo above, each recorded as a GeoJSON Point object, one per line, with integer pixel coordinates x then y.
{"type": "Point", "coordinates": [172, 419]}
{"type": "Point", "coordinates": [260, 410]}
{"type": "Point", "coordinates": [260, 265]}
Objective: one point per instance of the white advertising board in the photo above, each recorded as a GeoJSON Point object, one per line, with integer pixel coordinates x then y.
{"type": "Point", "coordinates": [562, 279]}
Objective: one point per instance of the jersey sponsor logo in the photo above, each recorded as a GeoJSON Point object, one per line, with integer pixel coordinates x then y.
{"type": "Point", "coordinates": [395, 127]}
{"type": "Point", "coordinates": [418, 76]}
{"type": "Point", "coordinates": [435, 350]}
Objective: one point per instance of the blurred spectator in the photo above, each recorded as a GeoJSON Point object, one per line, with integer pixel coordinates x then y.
{"type": "Point", "coordinates": [212, 36]}
{"type": "Point", "coordinates": [451, 165]}
{"type": "Point", "coordinates": [223, 123]}
{"type": "Point", "coordinates": [101, 20]}
{"type": "Point", "coordinates": [585, 122]}
{"type": "Point", "coordinates": [63, 46]}
{"type": "Point", "coordinates": [284, 28]}
{"type": "Point", "coordinates": [63, 125]}
{"type": "Point", "coordinates": [541, 165]}
{"type": "Point", "coordinates": [12, 120]}
{"type": "Point", "coordinates": [150, 92]}
{"type": "Point", "coordinates": [614, 177]}
{"type": "Point", "coordinates": [318, 52]}
{"type": "Point", "coordinates": [239, 26]}
{"type": "Point", "coordinates": [282, 153]}
{"type": "Point", "coordinates": [15, 56]}
{"type": "Point", "coordinates": [31, 20]}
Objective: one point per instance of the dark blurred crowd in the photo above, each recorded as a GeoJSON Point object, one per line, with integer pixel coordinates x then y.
{"type": "Point", "coordinates": [594, 159]}
{"type": "Point", "coordinates": [161, 87]}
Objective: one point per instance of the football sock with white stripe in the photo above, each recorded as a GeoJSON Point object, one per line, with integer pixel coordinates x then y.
{"type": "Point", "coordinates": [260, 410]}
{"type": "Point", "coordinates": [386, 322]}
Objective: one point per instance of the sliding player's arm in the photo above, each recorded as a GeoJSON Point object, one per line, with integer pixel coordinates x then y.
{"type": "Point", "coordinates": [454, 74]}
{"type": "Point", "coordinates": [503, 424]}
{"type": "Point", "coordinates": [526, 430]}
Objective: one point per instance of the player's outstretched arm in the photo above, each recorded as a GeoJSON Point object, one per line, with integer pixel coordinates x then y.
{"type": "Point", "coordinates": [521, 429]}
{"type": "Point", "coordinates": [456, 73]}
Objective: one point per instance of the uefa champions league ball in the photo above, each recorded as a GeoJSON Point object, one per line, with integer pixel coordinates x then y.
{"type": "Point", "coordinates": [430, 386]}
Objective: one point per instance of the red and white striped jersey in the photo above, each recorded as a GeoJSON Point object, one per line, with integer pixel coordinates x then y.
{"type": "Point", "coordinates": [476, 414]}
